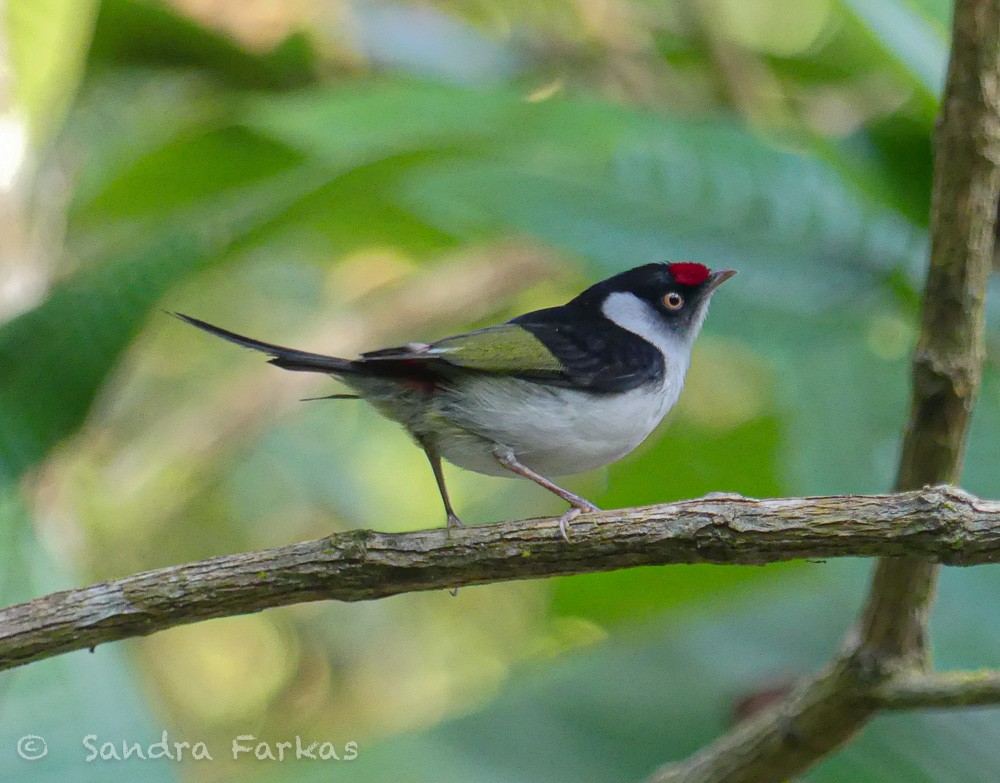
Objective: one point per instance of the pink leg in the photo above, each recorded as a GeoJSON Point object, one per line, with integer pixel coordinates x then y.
{"type": "Point", "coordinates": [505, 456]}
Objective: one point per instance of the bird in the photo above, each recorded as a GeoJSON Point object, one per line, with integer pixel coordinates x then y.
{"type": "Point", "coordinates": [552, 392]}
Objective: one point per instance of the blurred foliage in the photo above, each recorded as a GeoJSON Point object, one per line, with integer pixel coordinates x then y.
{"type": "Point", "coordinates": [340, 174]}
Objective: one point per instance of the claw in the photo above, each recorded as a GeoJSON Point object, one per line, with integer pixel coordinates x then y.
{"type": "Point", "coordinates": [572, 513]}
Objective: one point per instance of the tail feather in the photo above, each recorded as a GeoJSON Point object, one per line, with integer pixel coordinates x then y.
{"type": "Point", "coordinates": [286, 358]}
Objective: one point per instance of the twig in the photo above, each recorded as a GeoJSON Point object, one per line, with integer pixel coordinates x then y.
{"type": "Point", "coordinates": [918, 690]}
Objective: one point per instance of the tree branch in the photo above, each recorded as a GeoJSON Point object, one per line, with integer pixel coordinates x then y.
{"type": "Point", "coordinates": [942, 523]}
{"type": "Point", "coordinates": [825, 712]}
{"type": "Point", "coordinates": [916, 690]}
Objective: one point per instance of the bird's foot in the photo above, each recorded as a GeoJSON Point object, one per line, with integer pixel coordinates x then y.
{"type": "Point", "coordinates": [572, 513]}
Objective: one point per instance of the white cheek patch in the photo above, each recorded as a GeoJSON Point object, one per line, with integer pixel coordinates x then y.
{"type": "Point", "coordinates": [634, 315]}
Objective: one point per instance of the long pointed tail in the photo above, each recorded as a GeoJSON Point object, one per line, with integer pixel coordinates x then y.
{"type": "Point", "coordinates": [286, 358]}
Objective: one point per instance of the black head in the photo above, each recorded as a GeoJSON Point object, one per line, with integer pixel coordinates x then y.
{"type": "Point", "coordinates": [678, 293]}
{"type": "Point", "coordinates": [627, 331]}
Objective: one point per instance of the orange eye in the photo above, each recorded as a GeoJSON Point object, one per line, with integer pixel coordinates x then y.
{"type": "Point", "coordinates": [673, 301]}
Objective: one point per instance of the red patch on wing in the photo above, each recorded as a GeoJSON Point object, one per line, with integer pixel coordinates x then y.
{"type": "Point", "coordinates": [689, 273]}
{"type": "Point", "coordinates": [420, 385]}
{"type": "Point", "coordinates": [422, 381]}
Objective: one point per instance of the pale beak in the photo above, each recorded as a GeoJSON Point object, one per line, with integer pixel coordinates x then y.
{"type": "Point", "coordinates": [718, 278]}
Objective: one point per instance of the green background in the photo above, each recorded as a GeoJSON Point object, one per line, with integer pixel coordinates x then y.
{"type": "Point", "coordinates": [342, 175]}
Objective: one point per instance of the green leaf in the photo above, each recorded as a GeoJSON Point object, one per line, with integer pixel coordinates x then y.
{"type": "Point", "coordinates": [56, 357]}
{"type": "Point", "coordinates": [118, 119]}
{"type": "Point", "coordinates": [908, 37]}
{"type": "Point", "coordinates": [370, 121]}
{"type": "Point", "coordinates": [787, 216]}
{"type": "Point", "coordinates": [193, 168]}
{"type": "Point", "coordinates": [890, 162]}
{"type": "Point", "coordinates": [130, 32]}
{"type": "Point", "coordinates": [48, 42]}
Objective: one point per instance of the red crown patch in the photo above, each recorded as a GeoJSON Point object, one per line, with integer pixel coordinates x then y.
{"type": "Point", "coordinates": [689, 273]}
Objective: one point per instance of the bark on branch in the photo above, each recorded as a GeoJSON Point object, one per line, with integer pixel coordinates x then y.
{"type": "Point", "coordinates": [945, 689]}
{"type": "Point", "coordinates": [944, 524]}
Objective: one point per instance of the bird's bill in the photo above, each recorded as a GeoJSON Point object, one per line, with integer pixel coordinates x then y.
{"type": "Point", "coordinates": [718, 278]}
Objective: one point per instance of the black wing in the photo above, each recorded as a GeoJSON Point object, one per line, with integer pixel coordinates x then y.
{"type": "Point", "coordinates": [596, 354]}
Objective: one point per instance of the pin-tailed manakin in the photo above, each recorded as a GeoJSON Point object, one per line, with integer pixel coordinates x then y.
{"type": "Point", "coordinates": [552, 392]}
